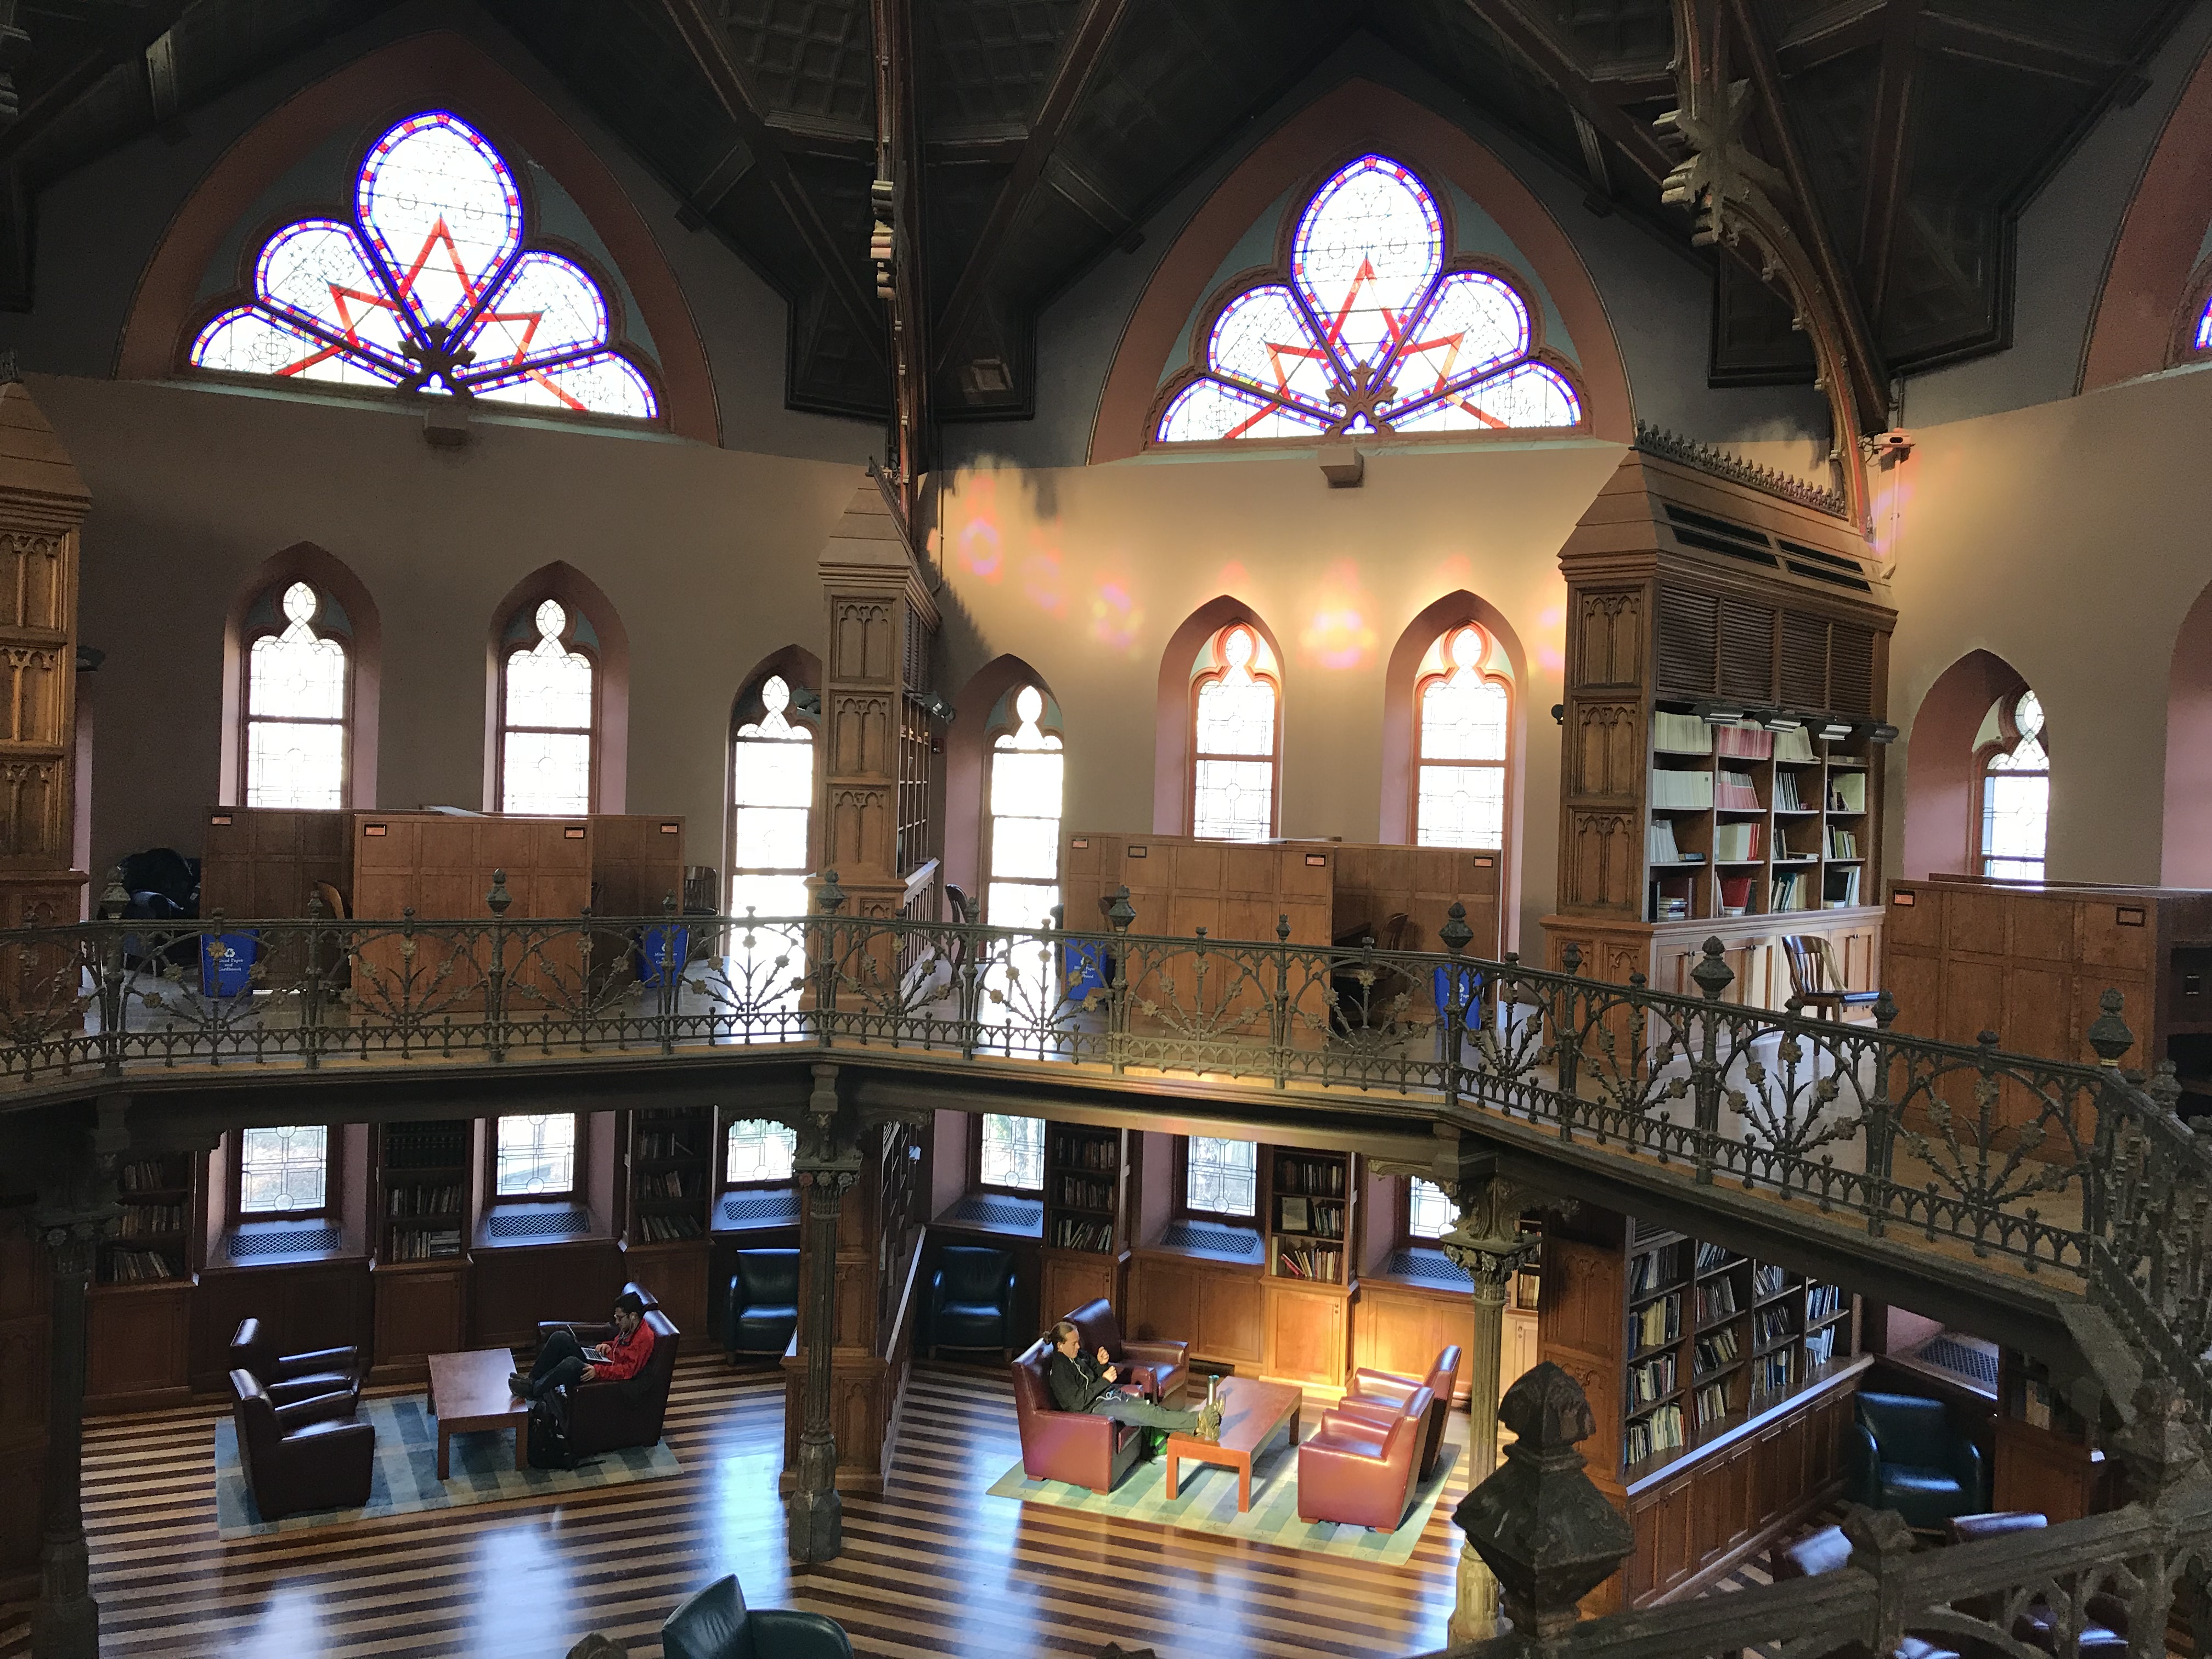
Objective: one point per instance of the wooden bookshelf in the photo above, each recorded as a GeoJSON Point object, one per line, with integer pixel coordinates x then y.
{"type": "Point", "coordinates": [673, 1169]}
{"type": "Point", "coordinates": [138, 1322]}
{"type": "Point", "coordinates": [422, 1192]}
{"type": "Point", "coordinates": [151, 1244]}
{"type": "Point", "coordinates": [1086, 1222]}
{"type": "Point", "coordinates": [1311, 1231]}
{"type": "Point", "coordinates": [1309, 1216]}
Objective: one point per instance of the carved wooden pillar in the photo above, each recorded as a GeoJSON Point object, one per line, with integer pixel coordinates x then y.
{"type": "Point", "coordinates": [881, 622]}
{"type": "Point", "coordinates": [1487, 1243]}
{"type": "Point", "coordinates": [827, 1165]}
{"type": "Point", "coordinates": [42, 503]}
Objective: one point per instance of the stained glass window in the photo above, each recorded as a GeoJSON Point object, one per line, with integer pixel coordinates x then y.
{"type": "Point", "coordinates": [296, 712]}
{"type": "Point", "coordinates": [283, 1171]}
{"type": "Point", "coordinates": [1026, 769]}
{"type": "Point", "coordinates": [1430, 1211]}
{"type": "Point", "coordinates": [1371, 331]}
{"type": "Point", "coordinates": [426, 286]}
{"type": "Point", "coordinates": [772, 792]}
{"type": "Point", "coordinates": [1221, 1177]}
{"type": "Point", "coordinates": [536, 1156]}
{"type": "Point", "coordinates": [1463, 705]}
{"type": "Point", "coordinates": [1233, 739]}
{"type": "Point", "coordinates": [758, 1153]}
{"type": "Point", "coordinates": [2017, 797]}
{"type": "Point", "coordinates": [1012, 1153]}
{"type": "Point", "coordinates": [545, 735]}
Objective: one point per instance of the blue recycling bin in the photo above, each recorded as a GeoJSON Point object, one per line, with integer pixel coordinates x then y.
{"type": "Point", "coordinates": [661, 953]}
{"type": "Point", "coordinates": [1470, 995]}
{"type": "Point", "coordinates": [226, 963]}
{"type": "Point", "coordinates": [1087, 966]}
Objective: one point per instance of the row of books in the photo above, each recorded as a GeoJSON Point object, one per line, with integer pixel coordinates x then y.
{"type": "Point", "coordinates": [1084, 1193]}
{"type": "Point", "coordinates": [1712, 1257]}
{"type": "Point", "coordinates": [1681, 734]}
{"type": "Point", "coordinates": [1771, 1325]}
{"type": "Point", "coordinates": [1746, 740]}
{"type": "Point", "coordinates": [151, 1220]}
{"type": "Point", "coordinates": [1649, 1271]}
{"type": "Point", "coordinates": [1823, 1302]}
{"type": "Point", "coordinates": [1661, 848]}
{"type": "Point", "coordinates": [1712, 1404]}
{"type": "Point", "coordinates": [151, 1176]}
{"type": "Point", "coordinates": [1300, 1215]}
{"type": "Point", "coordinates": [1802, 841]}
{"type": "Point", "coordinates": [1660, 1431]}
{"type": "Point", "coordinates": [423, 1197]}
{"type": "Point", "coordinates": [1734, 792]}
{"type": "Point", "coordinates": [1302, 1176]}
{"type": "Point", "coordinates": [1847, 791]}
{"type": "Point", "coordinates": [1736, 843]}
{"type": "Point", "coordinates": [1716, 1301]}
{"type": "Point", "coordinates": [1794, 744]}
{"type": "Point", "coordinates": [1681, 791]}
{"type": "Point", "coordinates": [658, 1229]}
{"type": "Point", "coordinates": [1843, 886]}
{"type": "Point", "coordinates": [664, 1143]}
{"type": "Point", "coordinates": [1083, 1152]}
{"type": "Point", "coordinates": [1689, 734]}
{"type": "Point", "coordinates": [1318, 1261]}
{"type": "Point", "coordinates": [1775, 1373]}
{"type": "Point", "coordinates": [1766, 1281]}
{"type": "Point", "coordinates": [1652, 1380]}
{"type": "Point", "coordinates": [672, 1183]}
{"type": "Point", "coordinates": [1719, 1349]}
{"type": "Point", "coordinates": [1820, 1346]}
{"type": "Point", "coordinates": [1657, 1323]}
{"type": "Point", "coordinates": [1842, 843]}
{"type": "Point", "coordinates": [1793, 890]}
{"type": "Point", "coordinates": [137, 1266]}
{"type": "Point", "coordinates": [1073, 1233]}
{"type": "Point", "coordinates": [1786, 799]}
{"type": "Point", "coordinates": [423, 1245]}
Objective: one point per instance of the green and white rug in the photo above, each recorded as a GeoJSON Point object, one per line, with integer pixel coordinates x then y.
{"type": "Point", "coordinates": [404, 1478]}
{"type": "Point", "coordinates": [1208, 1503]}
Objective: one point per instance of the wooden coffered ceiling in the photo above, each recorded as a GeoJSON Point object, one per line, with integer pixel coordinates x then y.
{"type": "Point", "coordinates": [1033, 137]}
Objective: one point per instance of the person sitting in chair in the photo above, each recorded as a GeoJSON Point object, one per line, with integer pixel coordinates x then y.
{"type": "Point", "coordinates": [1082, 1383]}
{"type": "Point", "coordinates": [561, 1360]}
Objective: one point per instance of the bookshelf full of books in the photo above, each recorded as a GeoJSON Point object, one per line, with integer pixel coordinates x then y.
{"type": "Point", "coordinates": [1310, 1217]}
{"type": "Point", "coordinates": [423, 1191]}
{"type": "Point", "coordinates": [671, 1174]}
{"type": "Point", "coordinates": [150, 1245]}
{"type": "Point", "coordinates": [1086, 1232]}
{"type": "Point", "coordinates": [1310, 1206]}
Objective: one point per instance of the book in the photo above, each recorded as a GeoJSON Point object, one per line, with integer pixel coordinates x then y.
{"type": "Point", "coordinates": [1745, 740]}
{"type": "Point", "coordinates": [1847, 791]}
{"type": "Point", "coordinates": [1680, 734]}
{"type": "Point", "coordinates": [1716, 1301]}
{"type": "Point", "coordinates": [1766, 1281]}
{"type": "Point", "coordinates": [1718, 1349]}
{"type": "Point", "coordinates": [1736, 843]}
{"type": "Point", "coordinates": [1791, 891]}
{"type": "Point", "coordinates": [1681, 791]}
{"type": "Point", "coordinates": [1785, 792]}
{"type": "Point", "coordinates": [1652, 1380]}
{"type": "Point", "coordinates": [1842, 843]}
{"type": "Point", "coordinates": [1712, 1404]}
{"type": "Point", "coordinates": [1820, 1346]}
{"type": "Point", "coordinates": [1710, 1256]}
{"type": "Point", "coordinates": [1735, 895]}
{"type": "Point", "coordinates": [1735, 792]}
{"type": "Point", "coordinates": [1657, 1323]}
{"type": "Point", "coordinates": [1659, 842]}
{"type": "Point", "coordinates": [1794, 744]}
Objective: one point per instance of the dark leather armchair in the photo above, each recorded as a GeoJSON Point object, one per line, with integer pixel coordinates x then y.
{"type": "Point", "coordinates": [610, 1416]}
{"type": "Point", "coordinates": [2106, 1632]}
{"type": "Point", "coordinates": [592, 1332]}
{"type": "Point", "coordinates": [1903, 1454]}
{"type": "Point", "coordinates": [293, 1376]}
{"type": "Point", "coordinates": [971, 1299]}
{"type": "Point", "coordinates": [1076, 1447]}
{"type": "Point", "coordinates": [1380, 1397]}
{"type": "Point", "coordinates": [1160, 1369]}
{"type": "Point", "coordinates": [715, 1623]}
{"type": "Point", "coordinates": [1827, 1550]}
{"type": "Point", "coordinates": [314, 1454]}
{"type": "Point", "coordinates": [1360, 1473]}
{"type": "Point", "coordinates": [760, 1309]}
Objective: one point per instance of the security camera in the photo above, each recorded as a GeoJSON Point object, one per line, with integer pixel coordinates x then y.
{"type": "Point", "coordinates": [1896, 443]}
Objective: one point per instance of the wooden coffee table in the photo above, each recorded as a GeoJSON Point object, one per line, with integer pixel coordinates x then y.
{"type": "Point", "coordinates": [1251, 1412]}
{"type": "Point", "coordinates": [469, 1391]}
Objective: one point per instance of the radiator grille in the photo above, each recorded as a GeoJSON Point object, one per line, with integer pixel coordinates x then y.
{"type": "Point", "coordinates": [1428, 1267]}
{"type": "Point", "coordinates": [760, 1209]}
{"type": "Point", "coordinates": [562, 1224]}
{"type": "Point", "coordinates": [289, 1240]}
{"type": "Point", "coordinates": [1205, 1236]}
{"type": "Point", "coordinates": [1012, 1215]}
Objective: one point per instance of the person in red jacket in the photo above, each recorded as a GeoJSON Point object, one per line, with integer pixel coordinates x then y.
{"type": "Point", "coordinates": [561, 1360]}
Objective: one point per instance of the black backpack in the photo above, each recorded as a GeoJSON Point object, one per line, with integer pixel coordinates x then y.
{"type": "Point", "coordinates": [549, 1434]}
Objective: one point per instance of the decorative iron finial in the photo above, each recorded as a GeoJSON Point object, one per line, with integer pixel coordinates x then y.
{"type": "Point", "coordinates": [115, 897]}
{"type": "Point", "coordinates": [1456, 935]}
{"type": "Point", "coordinates": [2165, 1085]}
{"type": "Point", "coordinates": [1120, 913]}
{"type": "Point", "coordinates": [1570, 957]}
{"type": "Point", "coordinates": [1884, 1009]}
{"type": "Point", "coordinates": [828, 898]}
{"type": "Point", "coordinates": [1713, 974]}
{"type": "Point", "coordinates": [499, 898]}
{"type": "Point", "coordinates": [668, 905]}
{"type": "Point", "coordinates": [2108, 1033]}
{"type": "Point", "coordinates": [1282, 930]}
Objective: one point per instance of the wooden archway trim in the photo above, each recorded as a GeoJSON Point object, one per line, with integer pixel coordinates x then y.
{"type": "Point", "coordinates": [440, 68]}
{"type": "Point", "coordinates": [1357, 112]}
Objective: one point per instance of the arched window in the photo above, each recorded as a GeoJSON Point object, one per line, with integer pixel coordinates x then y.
{"type": "Point", "coordinates": [1236, 708]}
{"type": "Point", "coordinates": [546, 709]}
{"type": "Point", "coordinates": [772, 794]}
{"type": "Point", "coordinates": [422, 283]}
{"type": "Point", "coordinates": [1368, 326]}
{"type": "Point", "coordinates": [758, 1152]}
{"type": "Point", "coordinates": [1430, 1211]}
{"type": "Point", "coordinates": [1027, 768]}
{"type": "Point", "coordinates": [2015, 768]}
{"type": "Point", "coordinates": [296, 703]}
{"type": "Point", "coordinates": [1462, 703]}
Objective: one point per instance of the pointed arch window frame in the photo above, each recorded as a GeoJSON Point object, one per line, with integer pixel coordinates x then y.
{"type": "Point", "coordinates": [571, 614]}
{"type": "Point", "coordinates": [2004, 746]}
{"type": "Point", "coordinates": [750, 709]}
{"type": "Point", "coordinates": [1049, 726]}
{"type": "Point", "coordinates": [1491, 649]}
{"type": "Point", "coordinates": [1216, 648]}
{"type": "Point", "coordinates": [244, 294]}
{"type": "Point", "coordinates": [1283, 271]}
{"type": "Point", "coordinates": [274, 627]}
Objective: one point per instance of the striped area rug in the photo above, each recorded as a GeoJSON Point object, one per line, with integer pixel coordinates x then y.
{"type": "Point", "coordinates": [404, 1478]}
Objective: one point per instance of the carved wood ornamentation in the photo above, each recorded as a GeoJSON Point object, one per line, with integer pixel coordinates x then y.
{"type": "Point", "coordinates": [1609, 640]}
{"type": "Point", "coordinates": [1606, 756]}
{"type": "Point", "coordinates": [1604, 870]}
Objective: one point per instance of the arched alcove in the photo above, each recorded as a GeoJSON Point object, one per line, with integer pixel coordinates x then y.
{"type": "Point", "coordinates": [364, 642]}
{"type": "Point", "coordinates": [2186, 855]}
{"type": "Point", "coordinates": [1171, 751]}
{"type": "Point", "coordinates": [1940, 776]}
{"type": "Point", "coordinates": [609, 649]}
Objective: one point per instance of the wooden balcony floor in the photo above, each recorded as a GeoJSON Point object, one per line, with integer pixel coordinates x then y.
{"type": "Point", "coordinates": [931, 1567]}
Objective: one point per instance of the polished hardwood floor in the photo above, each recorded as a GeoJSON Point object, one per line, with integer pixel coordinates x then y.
{"type": "Point", "coordinates": [931, 1567]}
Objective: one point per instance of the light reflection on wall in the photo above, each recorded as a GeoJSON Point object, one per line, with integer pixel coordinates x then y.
{"type": "Point", "coordinates": [1550, 635]}
{"type": "Point", "coordinates": [1115, 616]}
{"type": "Point", "coordinates": [1340, 633]}
{"type": "Point", "coordinates": [1044, 583]}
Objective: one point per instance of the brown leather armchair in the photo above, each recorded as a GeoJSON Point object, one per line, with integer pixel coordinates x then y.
{"type": "Point", "coordinates": [608, 1416]}
{"type": "Point", "coordinates": [293, 1376]}
{"type": "Point", "coordinates": [1159, 1369]}
{"type": "Point", "coordinates": [1379, 1396]}
{"type": "Point", "coordinates": [312, 1455]}
{"type": "Point", "coordinates": [1076, 1447]}
{"type": "Point", "coordinates": [1361, 1472]}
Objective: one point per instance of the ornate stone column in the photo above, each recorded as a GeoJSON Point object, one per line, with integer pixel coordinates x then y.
{"type": "Point", "coordinates": [825, 1168]}
{"type": "Point", "coordinates": [1487, 1243]}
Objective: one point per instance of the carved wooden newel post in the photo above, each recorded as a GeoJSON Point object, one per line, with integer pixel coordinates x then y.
{"type": "Point", "coordinates": [827, 1165]}
{"type": "Point", "coordinates": [1488, 1245]}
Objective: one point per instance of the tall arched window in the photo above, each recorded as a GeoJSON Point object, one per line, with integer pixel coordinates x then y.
{"type": "Point", "coordinates": [772, 794]}
{"type": "Point", "coordinates": [546, 709]}
{"type": "Point", "coordinates": [295, 704]}
{"type": "Point", "coordinates": [1027, 768]}
{"type": "Point", "coordinates": [1236, 710]}
{"type": "Point", "coordinates": [1462, 705]}
{"type": "Point", "coordinates": [2015, 769]}
{"type": "Point", "coordinates": [1369, 323]}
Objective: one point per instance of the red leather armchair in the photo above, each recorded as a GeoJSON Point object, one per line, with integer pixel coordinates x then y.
{"type": "Point", "coordinates": [1361, 1473]}
{"type": "Point", "coordinates": [1076, 1447]}
{"type": "Point", "coordinates": [290, 1377]}
{"type": "Point", "coordinates": [1159, 1369]}
{"type": "Point", "coordinates": [610, 1416]}
{"type": "Point", "coordinates": [1380, 1397]}
{"type": "Point", "coordinates": [312, 1455]}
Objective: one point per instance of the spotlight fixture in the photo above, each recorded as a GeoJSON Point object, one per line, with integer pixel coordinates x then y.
{"type": "Point", "coordinates": [1883, 734]}
{"type": "Point", "coordinates": [1719, 714]}
{"type": "Point", "coordinates": [1779, 719]}
{"type": "Point", "coordinates": [1833, 729]}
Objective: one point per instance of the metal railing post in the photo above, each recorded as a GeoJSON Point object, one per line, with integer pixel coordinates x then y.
{"type": "Point", "coordinates": [1454, 935]}
{"type": "Point", "coordinates": [1712, 976]}
{"type": "Point", "coordinates": [1119, 914]}
{"type": "Point", "coordinates": [495, 980]}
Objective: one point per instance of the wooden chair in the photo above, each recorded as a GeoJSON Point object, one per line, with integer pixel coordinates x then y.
{"type": "Point", "coordinates": [1815, 984]}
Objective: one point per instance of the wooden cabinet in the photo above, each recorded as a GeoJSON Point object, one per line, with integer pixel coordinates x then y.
{"type": "Point", "coordinates": [1085, 1248]}
{"type": "Point", "coordinates": [1401, 1328]}
{"type": "Point", "coordinates": [138, 1346]}
{"type": "Point", "coordinates": [2047, 1457]}
{"type": "Point", "coordinates": [421, 1309]}
{"type": "Point", "coordinates": [1216, 1306]}
{"type": "Point", "coordinates": [1307, 1331]}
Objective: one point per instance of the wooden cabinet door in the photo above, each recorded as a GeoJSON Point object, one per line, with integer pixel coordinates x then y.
{"type": "Point", "coordinates": [1231, 1321]}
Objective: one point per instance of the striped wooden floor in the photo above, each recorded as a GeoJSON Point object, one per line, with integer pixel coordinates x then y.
{"type": "Point", "coordinates": [931, 1567]}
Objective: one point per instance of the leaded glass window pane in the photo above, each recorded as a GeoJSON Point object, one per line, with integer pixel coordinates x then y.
{"type": "Point", "coordinates": [1460, 799]}
{"type": "Point", "coordinates": [283, 1171]}
{"type": "Point", "coordinates": [772, 789]}
{"type": "Point", "coordinates": [295, 698]}
{"type": "Point", "coordinates": [759, 1151]}
{"type": "Point", "coordinates": [2016, 798]}
{"type": "Point", "coordinates": [536, 1156]}
{"type": "Point", "coordinates": [1012, 1153]}
{"type": "Point", "coordinates": [1222, 1177]}
{"type": "Point", "coordinates": [1430, 1211]}
{"type": "Point", "coordinates": [1232, 798]}
{"type": "Point", "coordinates": [1027, 769]}
{"type": "Point", "coordinates": [545, 765]}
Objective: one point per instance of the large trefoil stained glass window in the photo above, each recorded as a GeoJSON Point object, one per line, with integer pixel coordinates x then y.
{"type": "Point", "coordinates": [1374, 333]}
{"type": "Point", "coordinates": [427, 287]}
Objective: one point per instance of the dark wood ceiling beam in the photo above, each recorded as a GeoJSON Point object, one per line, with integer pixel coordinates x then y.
{"type": "Point", "coordinates": [1086, 44]}
{"type": "Point", "coordinates": [128, 33]}
{"type": "Point", "coordinates": [898, 164]}
{"type": "Point", "coordinates": [2015, 51]}
{"type": "Point", "coordinates": [710, 46]}
{"type": "Point", "coordinates": [1526, 35]}
{"type": "Point", "coordinates": [1886, 151]}
{"type": "Point", "coordinates": [1869, 375]}
{"type": "Point", "coordinates": [1831, 36]}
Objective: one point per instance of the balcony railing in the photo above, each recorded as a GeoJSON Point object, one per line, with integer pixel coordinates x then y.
{"type": "Point", "coordinates": [2022, 1165]}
